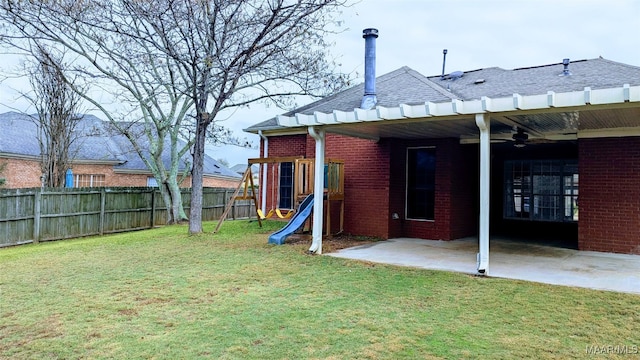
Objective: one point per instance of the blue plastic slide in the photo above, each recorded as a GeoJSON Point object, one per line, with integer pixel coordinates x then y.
{"type": "Point", "coordinates": [296, 222]}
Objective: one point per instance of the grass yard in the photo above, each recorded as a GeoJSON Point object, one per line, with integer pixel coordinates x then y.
{"type": "Point", "coordinates": [165, 295]}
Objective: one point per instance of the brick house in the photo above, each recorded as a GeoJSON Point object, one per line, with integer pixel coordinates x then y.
{"type": "Point", "coordinates": [100, 157]}
{"type": "Point", "coordinates": [544, 152]}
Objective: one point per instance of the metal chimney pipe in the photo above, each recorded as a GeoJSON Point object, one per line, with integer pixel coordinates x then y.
{"type": "Point", "coordinates": [444, 61]}
{"type": "Point", "coordinates": [369, 99]}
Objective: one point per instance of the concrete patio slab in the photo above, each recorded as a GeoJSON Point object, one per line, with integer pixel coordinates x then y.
{"type": "Point", "coordinates": [509, 259]}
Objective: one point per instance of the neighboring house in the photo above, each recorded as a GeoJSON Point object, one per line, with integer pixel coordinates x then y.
{"type": "Point", "coordinates": [255, 171]}
{"type": "Point", "coordinates": [544, 152]}
{"type": "Point", "coordinates": [100, 157]}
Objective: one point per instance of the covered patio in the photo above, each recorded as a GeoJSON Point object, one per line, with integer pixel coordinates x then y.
{"type": "Point", "coordinates": [489, 153]}
{"type": "Point", "coordinates": [510, 259]}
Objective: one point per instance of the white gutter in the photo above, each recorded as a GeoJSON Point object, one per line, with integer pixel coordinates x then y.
{"type": "Point", "coordinates": [318, 190]}
{"type": "Point", "coordinates": [263, 185]}
{"type": "Point", "coordinates": [483, 123]}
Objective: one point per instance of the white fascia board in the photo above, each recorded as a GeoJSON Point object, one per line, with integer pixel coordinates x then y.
{"type": "Point", "coordinates": [616, 95]}
{"type": "Point", "coordinates": [513, 103]}
{"type": "Point", "coordinates": [306, 120]}
{"type": "Point", "coordinates": [532, 102]}
{"type": "Point", "coordinates": [457, 106]}
{"type": "Point", "coordinates": [344, 116]}
{"type": "Point", "coordinates": [286, 120]}
{"type": "Point", "coordinates": [574, 98]}
{"type": "Point", "coordinates": [386, 113]}
{"type": "Point", "coordinates": [366, 115]}
{"type": "Point", "coordinates": [412, 111]}
{"type": "Point", "coordinates": [500, 104]}
{"type": "Point", "coordinates": [474, 106]}
{"type": "Point", "coordinates": [323, 118]}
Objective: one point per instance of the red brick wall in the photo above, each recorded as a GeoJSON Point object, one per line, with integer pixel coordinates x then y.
{"type": "Point", "coordinates": [609, 198]}
{"type": "Point", "coordinates": [26, 173]}
{"type": "Point", "coordinates": [291, 145]}
{"type": "Point", "coordinates": [366, 168]}
{"type": "Point", "coordinates": [366, 177]}
{"type": "Point", "coordinates": [456, 183]}
{"type": "Point", "coordinates": [375, 184]}
{"type": "Point", "coordinates": [21, 173]}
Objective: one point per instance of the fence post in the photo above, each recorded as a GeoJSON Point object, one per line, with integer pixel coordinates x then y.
{"type": "Point", "coordinates": [224, 200]}
{"type": "Point", "coordinates": [153, 207]}
{"type": "Point", "coordinates": [233, 209]}
{"type": "Point", "coordinates": [37, 199]}
{"type": "Point", "coordinates": [103, 200]}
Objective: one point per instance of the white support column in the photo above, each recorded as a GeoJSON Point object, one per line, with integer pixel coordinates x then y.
{"type": "Point", "coordinates": [483, 123]}
{"type": "Point", "coordinates": [265, 167]}
{"type": "Point", "coordinates": [318, 190]}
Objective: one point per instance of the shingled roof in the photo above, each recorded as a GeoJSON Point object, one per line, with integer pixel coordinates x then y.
{"type": "Point", "coordinates": [403, 85]}
{"type": "Point", "coordinates": [496, 82]}
{"type": "Point", "coordinates": [97, 143]}
{"type": "Point", "coordinates": [407, 86]}
{"type": "Point", "coordinates": [18, 137]}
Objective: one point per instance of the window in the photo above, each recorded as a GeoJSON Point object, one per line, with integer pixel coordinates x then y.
{"type": "Point", "coordinates": [152, 182]}
{"type": "Point", "coordinates": [421, 179]}
{"type": "Point", "coordinates": [89, 180]}
{"type": "Point", "coordinates": [541, 190]}
{"type": "Point", "coordinates": [286, 186]}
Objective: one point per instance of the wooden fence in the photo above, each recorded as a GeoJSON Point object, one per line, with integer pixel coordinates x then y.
{"type": "Point", "coordinates": [33, 215]}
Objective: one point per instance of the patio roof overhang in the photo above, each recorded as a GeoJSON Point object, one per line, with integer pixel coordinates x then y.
{"type": "Point", "coordinates": [550, 116]}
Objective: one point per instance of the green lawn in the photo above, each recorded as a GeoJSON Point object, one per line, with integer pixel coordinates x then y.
{"type": "Point", "coordinates": [165, 295]}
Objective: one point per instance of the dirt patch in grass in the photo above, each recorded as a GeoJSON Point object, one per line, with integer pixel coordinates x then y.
{"type": "Point", "coordinates": [334, 243]}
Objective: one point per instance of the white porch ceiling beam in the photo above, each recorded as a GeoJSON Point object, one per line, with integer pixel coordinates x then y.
{"type": "Point", "coordinates": [614, 132]}
{"type": "Point", "coordinates": [611, 97]}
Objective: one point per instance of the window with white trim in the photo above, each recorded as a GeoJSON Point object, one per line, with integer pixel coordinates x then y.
{"type": "Point", "coordinates": [89, 180]}
{"type": "Point", "coordinates": [541, 190]}
{"type": "Point", "coordinates": [421, 183]}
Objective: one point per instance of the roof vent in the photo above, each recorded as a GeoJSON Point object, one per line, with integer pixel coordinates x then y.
{"type": "Point", "coordinates": [456, 75]}
{"type": "Point", "coordinates": [479, 81]}
{"type": "Point", "coordinates": [565, 71]}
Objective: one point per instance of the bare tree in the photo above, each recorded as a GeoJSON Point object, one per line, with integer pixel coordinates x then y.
{"type": "Point", "coordinates": [142, 103]}
{"type": "Point", "coordinates": [182, 63]}
{"type": "Point", "coordinates": [57, 116]}
{"type": "Point", "coordinates": [233, 53]}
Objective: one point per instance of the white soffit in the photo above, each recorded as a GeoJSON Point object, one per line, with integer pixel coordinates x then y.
{"type": "Point", "coordinates": [514, 103]}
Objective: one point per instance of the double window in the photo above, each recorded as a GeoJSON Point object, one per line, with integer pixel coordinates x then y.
{"type": "Point", "coordinates": [421, 179]}
{"type": "Point", "coordinates": [541, 190]}
{"type": "Point", "coordinates": [89, 180]}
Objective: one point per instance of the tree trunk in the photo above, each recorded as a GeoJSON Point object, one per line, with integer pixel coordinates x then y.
{"type": "Point", "coordinates": [165, 192]}
{"type": "Point", "coordinates": [176, 200]}
{"type": "Point", "coordinates": [195, 216]}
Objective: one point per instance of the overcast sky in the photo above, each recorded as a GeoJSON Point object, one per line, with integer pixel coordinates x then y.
{"type": "Point", "coordinates": [477, 33]}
